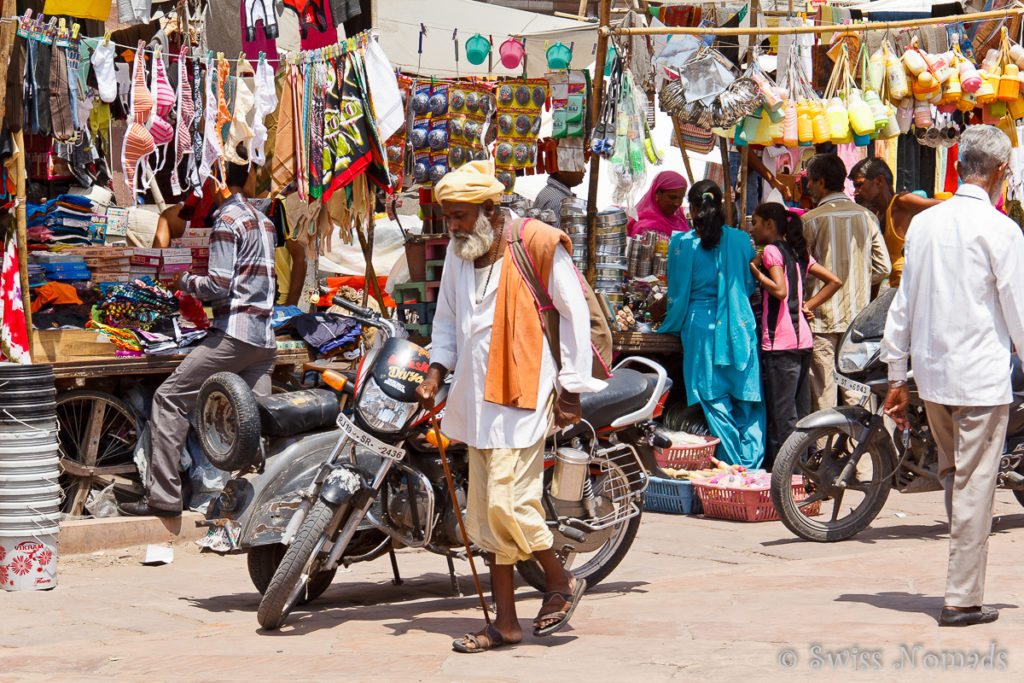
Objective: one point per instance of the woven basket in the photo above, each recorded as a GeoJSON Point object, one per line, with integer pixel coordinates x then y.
{"type": "Point", "coordinates": [696, 457]}
{"type": "Point", "coordinates": [749, 504]}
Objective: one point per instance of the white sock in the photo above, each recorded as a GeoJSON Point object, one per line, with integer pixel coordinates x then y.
{"type": "Point", "coordinates": [103, 65]}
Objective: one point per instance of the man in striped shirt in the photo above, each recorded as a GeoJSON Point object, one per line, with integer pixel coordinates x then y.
{"type": "Point", "coordinates": [557, 190]}
{"type": "Point", "coordinates": [845, 238]}
{"type": "Point", "coordinates": [240, 288]}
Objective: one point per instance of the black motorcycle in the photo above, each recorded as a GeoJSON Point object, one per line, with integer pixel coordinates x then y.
{"type": "Point", "coordinates": [338, 489]}
{"type": "Point", "coordinates": [848, 458]}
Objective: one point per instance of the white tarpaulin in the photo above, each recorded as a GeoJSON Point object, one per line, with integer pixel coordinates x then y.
{"type": "Point", "coordinates": [896, 5]}
{"type": "Point", "coordinates": [399, 24]}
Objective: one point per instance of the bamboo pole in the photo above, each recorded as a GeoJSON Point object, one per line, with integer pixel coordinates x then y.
{"type": "Point", "coordinates": [727, 195]}
{"type": "Point", "coordinates": [22, 223]}
{"type": "Point", "coordinates": [741, 219]}
{"type": "Point", "coordinates": [682, 150]}
{"type": "Point", "coordinates": [792, 30]}
{"type": "Point", "coordinates": [6, 43]}
{"type": "Point", "coordinates": [605, 8]}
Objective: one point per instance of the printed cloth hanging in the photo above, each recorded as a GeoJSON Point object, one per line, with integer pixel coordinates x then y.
{"type": "Point", "coordinates": [14, 342]}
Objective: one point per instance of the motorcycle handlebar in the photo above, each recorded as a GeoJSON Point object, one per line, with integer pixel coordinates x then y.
{"type": "Point", "coordinates": [358, 310]}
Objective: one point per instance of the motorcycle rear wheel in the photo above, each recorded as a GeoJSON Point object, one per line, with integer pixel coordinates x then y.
{"type": "Point", "coordinates": [599, 564]}
{"type": "Point", "coordinates": [263, 561]}
{"type": "Point", "coordinates": [820, 467]}
{"type": "Point", "coordinates": [278, 601]}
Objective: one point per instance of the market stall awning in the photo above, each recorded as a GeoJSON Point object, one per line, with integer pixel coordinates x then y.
{"type": "Point", "coordinates": [399, 24]}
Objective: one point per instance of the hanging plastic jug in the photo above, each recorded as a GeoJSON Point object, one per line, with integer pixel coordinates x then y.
{"type": "Point", "coordinates": [751, 124]}
{"type": "Point", "coordinates": [861, 119]}
{"type": "Point", "coordinates": [1009, 84]}
{"type": "Point", "coordinates": [940, 67]}
{"type": "Point", "coordinates": [805, 125]}
{"type": "Point", "coordinates": [967, 101]}
{"type": "Point", "coordinates": [922, 115]}
{"type": "Point", "coordinates": [987, 92]}
{"type": "Point", "coordinates": [1017, 107]}
{"type": "Point", "coordinates": [822, 131]}
{"type": "Point", "coordinates": [763, 134]}
{"type": "Point", "coordinates": [970, 80]}
{"type": "Point", "coordinates": [896, 78]}
{"type": "Point", "coordinates": [892, 127]}
{"type": "Point", "coordinates": [951, 92]}
{"type": "Point", "coordinates": [913, 60]}
{"type": "Point", "coordinates": [838, 119]}
{"type": "Point", "coordinates": [791, 132]}
{"type": "Point", "coordinates": [876, 69]}
{"type": "Point", "coordinates": [877, 108]}
{"type": "Point", "coordinates": [905, 114]}
{"type": "Point", "coordinates": [777, 130]}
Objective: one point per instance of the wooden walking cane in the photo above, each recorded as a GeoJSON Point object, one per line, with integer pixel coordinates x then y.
{"type": "Point", "coordinates": [458, 512]}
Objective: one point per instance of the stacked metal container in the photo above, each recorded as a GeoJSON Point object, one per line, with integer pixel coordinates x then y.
{"type": "Point", "coordinates": [573, 216]}
{"type": "Point", "coordinates": [29, 490]}
{"type": "Point", "coordinates": [610, 258]}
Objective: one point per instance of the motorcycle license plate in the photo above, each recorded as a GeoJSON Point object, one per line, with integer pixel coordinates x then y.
{"type": "Point", "coordinates": [850, 385]}
{"type": "Point", "coordinates": [371, 442]}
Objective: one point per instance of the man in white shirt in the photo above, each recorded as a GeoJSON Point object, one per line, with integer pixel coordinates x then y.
{"type": "Point", "coordinates": [844, 237]}
{"type": "Point", "coordinates": [958, 309]}
{"type": "Point", "coordinates": [487, 331]}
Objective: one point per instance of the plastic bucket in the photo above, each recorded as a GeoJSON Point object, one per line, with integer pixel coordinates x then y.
{"type": "Point", "coordinates": [18, 372]}
{"type": "Point", "coordinates": [28, 561]}
{"type": "Point", "coordinates": [35, 476]}
{"type": "Point", "coordinates": [38, 501]}
{"type": "Point", "coordinates": [511, 52]}
{"type": "Point", "coordinates": [559, 56]}
{"type": "Point", "coordinates": [477, 49]}
{"type": "Point", "coordinates": [26, 451]}
{"type": "Point", "coordinates": [42, 487]}
{"type": "Point", "coordinates": [47, 462]}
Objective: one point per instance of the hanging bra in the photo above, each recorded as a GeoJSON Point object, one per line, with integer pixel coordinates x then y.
{"type": "Point", "coordinates": [266, 103]}
{"type": "Point", "coordinates": [138, 140]}
{"type": "Point", "coordinates": [240, 132]}
{"type": "Point", "coordinates": [186, 112]}
{"type": "Point", "coordinates": [162, 130]}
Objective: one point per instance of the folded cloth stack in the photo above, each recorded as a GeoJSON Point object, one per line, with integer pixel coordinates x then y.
{"type": "Point", "coordinates": [127, 308]}
{"type": "Point", "coordinates": [61, 266]}
{"type": "Point", "coordinates": [329, 333]}
{"type": "Point", "coordinates": [169, 336]}
{"type": "Point", "coordinates": [64, 220]}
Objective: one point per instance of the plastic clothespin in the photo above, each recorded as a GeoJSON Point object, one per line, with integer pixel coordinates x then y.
{"type": "Point", "coordinates": [455, 42]}
{"type": "Point", "coordinates": [26, 19]}
{"type": "Point", "coordinates": [423, 32]}
{"type": "Point", "coordinates": [75, 28]}
{"type": "Point", "coordinates": [106, 38]}
{"type": "Point", "coordinates": [62, 29]}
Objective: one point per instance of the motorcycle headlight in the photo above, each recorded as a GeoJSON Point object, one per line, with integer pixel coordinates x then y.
{"type": "Point", "coordinates": [381, 412]}
{"type": "Point", "coordinates": [857, 356]}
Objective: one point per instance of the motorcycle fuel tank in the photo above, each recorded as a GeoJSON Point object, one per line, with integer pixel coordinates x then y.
{"type": "Point", "coordinates": [400, 368]}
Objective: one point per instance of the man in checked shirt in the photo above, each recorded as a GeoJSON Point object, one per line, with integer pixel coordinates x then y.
{"type": "Point", "coordinates": [240, 288]}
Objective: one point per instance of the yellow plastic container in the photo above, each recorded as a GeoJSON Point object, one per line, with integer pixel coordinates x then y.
{"type": "Point", "coordinates": [862, 121]}
{"type": "Point", "coordinates": [1017, 107]}
{"type": "Point", "coordinates": [838, 120]}
{"type": "Point", "coordinates": [967, 102]}
{"type": "Point", "coordinates": [822, 130]}
{"type": "Point", "coordinates": [987, 92]}
{"type": "Point", "coordinates": [951, 93]}
{"type": "Point", "coordinates": [805, 124]}
{"type": "Point", "coordinates": [896, 77]}
{"type": "Point", "coordinates": [1009, 84]}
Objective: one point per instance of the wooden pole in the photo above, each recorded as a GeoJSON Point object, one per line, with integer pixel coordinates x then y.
{"type": "Point", "coordinates": [727, 195]}
{"type": "Point", "coordinates": [605, 7]}
{"type": "Point", "coordinates": [744, 169]}
{"type": "Point", "coordinates": [22, 223]}
{"type": "Point", "coordinates": [682, 150]}
{"type": "Point", "coordinates": [793, 30]}
{"type": "Point", "coordinates": [6, 43]}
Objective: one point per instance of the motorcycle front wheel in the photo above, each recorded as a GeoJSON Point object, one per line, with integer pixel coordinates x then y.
{"type": "Point", "coordinates": [263, 561]}
{"type": "Point", "coordinates": [300, 560]}
{"type": "Point", "coordinates": [597, 565]}
{"type": "Point", "coordinates": [819, 456]}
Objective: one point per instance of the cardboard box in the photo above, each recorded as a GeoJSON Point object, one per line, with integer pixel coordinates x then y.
{"type": "Point", "coordinates": [173, 268]}
{"type": "Point", "coordinates": [51, 346]}
{"type": "Point", "coordinates": [146, 257]}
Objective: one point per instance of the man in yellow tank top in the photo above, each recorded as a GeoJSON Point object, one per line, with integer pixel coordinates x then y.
{"type": "Point", "coordinates": [873, 189]}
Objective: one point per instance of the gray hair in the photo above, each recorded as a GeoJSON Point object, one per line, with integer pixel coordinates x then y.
{"type": "Point", "coordinates": [982, 149]}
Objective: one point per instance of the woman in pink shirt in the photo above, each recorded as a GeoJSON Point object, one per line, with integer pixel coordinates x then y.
{"type": "Point", "coordinates": [660, 210]}
{"type": "Point", "coordinates": [786, 340]}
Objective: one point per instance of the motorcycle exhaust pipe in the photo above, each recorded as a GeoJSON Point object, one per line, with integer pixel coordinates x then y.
{"type": "Point", "coordinates": [570, 475]}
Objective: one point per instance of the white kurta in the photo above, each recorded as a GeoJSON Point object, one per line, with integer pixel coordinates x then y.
{"type": "Point", "coordinates": [461, 342]}
{"type": "Point", "coordinates": [960, 304]}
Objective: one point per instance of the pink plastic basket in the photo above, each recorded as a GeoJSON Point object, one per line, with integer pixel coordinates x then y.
{"type": "Point", "coordinates": [697, 457]}
{"type": "Point", "coordinates": [747, 505]}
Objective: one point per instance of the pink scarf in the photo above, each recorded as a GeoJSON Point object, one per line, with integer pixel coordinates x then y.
{"type": "Point", "coordinates": [650, 217]}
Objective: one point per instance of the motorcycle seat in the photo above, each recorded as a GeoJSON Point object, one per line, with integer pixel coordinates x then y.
{"type": "Point", "coordinates": [297, 412]}
{"type": "Point", "coordinates": [1017, 376]}
{"type": "Point", "coordinates": [627, 390]}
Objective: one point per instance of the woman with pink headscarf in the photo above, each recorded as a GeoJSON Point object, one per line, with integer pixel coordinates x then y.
{"type": "Point", "coordinates": [660, 210]}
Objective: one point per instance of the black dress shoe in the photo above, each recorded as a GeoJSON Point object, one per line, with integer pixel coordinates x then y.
{"type": "Point", "coordinates": [141, 509]}
{"type": "Point", "coordinates": [967, 617]}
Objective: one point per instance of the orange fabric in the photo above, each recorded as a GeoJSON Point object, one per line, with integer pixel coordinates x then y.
{"type": "Point", "coordinates": [356, 282]}
{"type": "Point", "coordinates": [517, 338]}
{"type": "Point", "coordinates": [53, 293]}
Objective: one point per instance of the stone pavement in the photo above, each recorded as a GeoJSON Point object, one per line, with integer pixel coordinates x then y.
{"type": "Point", "coordinates": [695, 599]}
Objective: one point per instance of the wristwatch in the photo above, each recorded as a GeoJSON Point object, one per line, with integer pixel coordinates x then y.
{"type": "Point", "coordinates": [897, 383]}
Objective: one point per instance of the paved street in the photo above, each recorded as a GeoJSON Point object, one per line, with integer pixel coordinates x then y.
{"type": "Point", "coordinates": [695, 599]}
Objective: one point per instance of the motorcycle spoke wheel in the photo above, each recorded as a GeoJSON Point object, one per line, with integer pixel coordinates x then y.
{"type": "Point", "coordinates": [829, 504]}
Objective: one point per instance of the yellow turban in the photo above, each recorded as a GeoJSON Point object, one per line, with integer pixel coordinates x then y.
{"type": "Point", "coordinates": [473, 183]}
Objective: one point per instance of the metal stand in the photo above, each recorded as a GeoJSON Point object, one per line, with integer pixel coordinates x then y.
{"type": "Point", "coordinates": [456, 590]}
{"type": "Point", "coordinates": [397, 581]}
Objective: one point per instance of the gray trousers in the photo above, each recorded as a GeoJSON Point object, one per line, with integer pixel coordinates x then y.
{"type": "Point", "coordinates": [823, 385]}
{"type": "Point", "coordinates": [970, 443]}
{"type": "Point", "coordinates": [176, 398]}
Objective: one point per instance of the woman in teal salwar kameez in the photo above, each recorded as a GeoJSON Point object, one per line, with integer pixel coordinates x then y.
{"type": "Point", "coordinates": [709, 289]}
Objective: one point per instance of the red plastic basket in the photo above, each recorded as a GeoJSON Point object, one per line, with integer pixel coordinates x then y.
{"type": "Point", "coordinates": [747, 505]}
{"type": "Point", "coordinates": [696, 457]}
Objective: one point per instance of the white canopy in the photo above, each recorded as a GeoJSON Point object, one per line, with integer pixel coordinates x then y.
{"type": "Point", "coordinates": [399, 24]}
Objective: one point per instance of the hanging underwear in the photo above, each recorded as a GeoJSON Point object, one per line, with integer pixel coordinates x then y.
{"type": "Point", "coordinates": [266, 103]}
{"type": "Point", "coordinates": [185, 114]}
{"type": "Point", "coordinates": [240, 132]}
{"type": "Point", "coordinates": [138, 141]}
{"type": "Point", "coordinates": [260, 10]}
{"type": "Point", "coordinates": [162, 130]}
{"type": "Point", "coordinates": [311, 13]}
{"type": "Point", "coordinates": [195, 159]}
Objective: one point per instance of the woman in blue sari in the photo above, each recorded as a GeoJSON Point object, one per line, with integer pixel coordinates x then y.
{"type": "Point", "coordinates": [709, 289]}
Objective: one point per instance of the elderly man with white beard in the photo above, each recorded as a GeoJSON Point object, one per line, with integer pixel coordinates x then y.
{"type": "Point", "coordinates": [487, 332]}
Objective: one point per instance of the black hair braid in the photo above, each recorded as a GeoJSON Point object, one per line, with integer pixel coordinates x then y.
{"type": "Point", "coordinates": [706, 206]}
